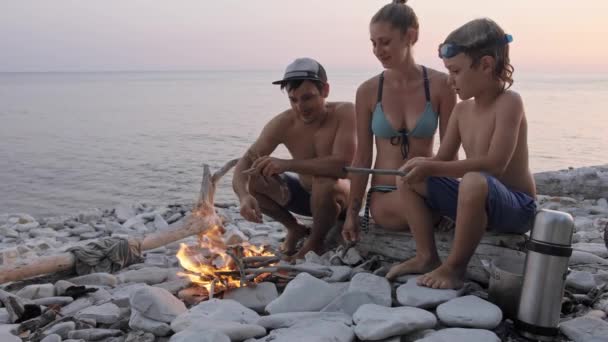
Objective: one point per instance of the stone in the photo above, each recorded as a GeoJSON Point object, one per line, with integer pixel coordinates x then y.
{"type": "Point", "coordinates": [140, 322]}
{"type": "Point", "coordinates": [580, 280]}
{"type": "Point", "coordinates": [339, 274]}
{"type": "Point", "coordinates": [348, 302]}
{"type": "Point", "coordinates": [124, 212]}
{"type": "Point", "coordinates": [289, 319]}
{"type": "Point", "coordinates": [226, 310]}
{"type": "Point", "coordinates": [37, 291]}
{"type": "Point", "coordinates": [61, 301]}
{"type": "Point", "coordinates": [410, 294]}
{"type": "Point", "coordinates": [378, 287]}
{"type": "Point", "coordinates": [98, 279]}
{"type": "Point", "coordinates": [598, 249]}
{"type": "Point", "coordinates": [140, 336]}
{"type": "Point", "coordinates": [94, 334]}
{"type": "Point", "coordinates": [52, 338]}
{"type": "Point", "coordinates": [61, 329]}
{"type": "Point", "coordinates": [174, 286]}
{"type": "Point", "coordinates": [160, 223]}
{"type": "Point", "coordinates": [5, 318]}
{"type": "Point", "coordinates": [417, 335]}
{"type": "Point", "coordinates": [599, 314]}
{"type": "Point", "coordinates": [191, 335]}
{"type": "Point", "coordinates": [461, 335]}
{"type": "Point", "coordinates": [311, 331]}
{"type": "Point", "coordinates": [375, 322]}
{"type": "Point", "coordinates": [585, 258]}
{"type": "Point", "coordinates": [121, 295]}
{"type": "Point", "coordinates": [77, 305]}
{"type": "Point", "coordinates": [156, 303]}
{"type": "Point", "coordinates": [148, 275]}
{"type": "Point", "coordinates": [585, 329]}
{"type": "Point", "coordinates": [43, 232]}
{"type": "Point", "coordinates": [8, 337]}
{"type": "Point", "coordinates": [61, 286]}
{"type": "Point", "coordinates": [82, 229]}
{"type": "Point", "coordinates": [254, 297]}
{"type": "Point", "coordinates": [234, 330]}
{"type": "Point", "coordinates": [303, 293]}
{"type": "Point", "coordinates": [107, 313]}
{"type": "Point", "coordinates": [469, 312]}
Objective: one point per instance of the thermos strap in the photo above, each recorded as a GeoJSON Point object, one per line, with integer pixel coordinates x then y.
{"type": "Point", "coordinates": [549, 249]}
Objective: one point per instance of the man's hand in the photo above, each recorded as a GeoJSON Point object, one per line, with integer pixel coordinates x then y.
{"type": "Point", "coordinates": [351, 229]}
{"type": "Point", "coordinates": [268, 166]}
{"type": "Point", "coordinates": [417, 170]}
{"type": "Point", "coordinates": [250, 209]}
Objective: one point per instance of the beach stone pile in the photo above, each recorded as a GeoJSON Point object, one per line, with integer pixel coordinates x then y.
{"type": "Point", "coordinates": [349, 300]}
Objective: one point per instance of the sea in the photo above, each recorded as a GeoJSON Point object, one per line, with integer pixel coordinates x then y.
{"type": "Point", "coordinates": [74, 141]}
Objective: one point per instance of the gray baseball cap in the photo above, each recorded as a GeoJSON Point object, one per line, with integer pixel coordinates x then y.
{"type": "Point", "coordinates": [304, 69]}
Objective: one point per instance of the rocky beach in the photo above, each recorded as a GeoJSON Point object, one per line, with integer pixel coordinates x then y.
{"type": "Point", "coordinates": [341, 295]}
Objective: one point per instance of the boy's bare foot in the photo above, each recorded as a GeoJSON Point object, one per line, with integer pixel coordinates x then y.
{"type": "Point", "coordinates": [415, 265]}
{"type": "Point", "coordinates": [443, 277]}
{"type": "Point", "coordinates": [291, 240]}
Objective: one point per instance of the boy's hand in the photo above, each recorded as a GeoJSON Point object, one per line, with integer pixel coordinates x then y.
{"type": "Point", "coordinates": [268, 166]}
{"type": "Point", "coordinates": [417, 169]}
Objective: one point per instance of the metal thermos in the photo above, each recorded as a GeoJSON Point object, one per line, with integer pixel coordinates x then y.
{"type": "Point", "coordinates": [548, 251]}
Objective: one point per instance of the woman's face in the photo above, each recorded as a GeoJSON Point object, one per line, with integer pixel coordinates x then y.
{"type": "Point", "coordinates": [389, 44]}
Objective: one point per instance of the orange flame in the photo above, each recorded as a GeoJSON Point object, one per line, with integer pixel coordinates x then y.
{"type": "Point", "coordinates": [203, 262]}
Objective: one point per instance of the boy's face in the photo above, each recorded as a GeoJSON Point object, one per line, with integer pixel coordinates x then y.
{"type": "Point", "coordinates": [308, 102]}
{"type": "Point", "coordinates": [461, 76]}
{"type": "Point", "coordinates": [467, 80]}
{"type": "Point", "coordinates": [389, 45]}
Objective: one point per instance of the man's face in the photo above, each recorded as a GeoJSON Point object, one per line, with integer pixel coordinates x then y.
{"type": "Point", "coordinates": [462, 77]}
{"type": "Point", "coordinates": [308, 102]}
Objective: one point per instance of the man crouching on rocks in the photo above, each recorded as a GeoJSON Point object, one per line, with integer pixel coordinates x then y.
{"type": "Point", "coordinates": [321, 139]}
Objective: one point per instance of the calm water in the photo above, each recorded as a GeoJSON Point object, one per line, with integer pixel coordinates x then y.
{"type": "Point", "coordinates": [74, 141]}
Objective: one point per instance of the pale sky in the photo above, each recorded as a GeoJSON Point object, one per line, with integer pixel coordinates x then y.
{"type": "Point", "coordinates": [88, 35]}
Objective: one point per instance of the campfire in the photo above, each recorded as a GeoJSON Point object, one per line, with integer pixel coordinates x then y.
{"type": "Point", "coordinates": [218, 266]}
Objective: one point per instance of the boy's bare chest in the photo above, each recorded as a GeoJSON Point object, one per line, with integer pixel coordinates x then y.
{"type": "Point", "coordinates": [476, 133]}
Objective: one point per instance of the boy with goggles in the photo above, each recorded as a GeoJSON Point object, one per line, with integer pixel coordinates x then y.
{"type": "Point", "coordinates": [492, 188]}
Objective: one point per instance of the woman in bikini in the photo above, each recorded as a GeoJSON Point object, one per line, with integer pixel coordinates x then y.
{"type": "Point", "coordinates": [402, 107]}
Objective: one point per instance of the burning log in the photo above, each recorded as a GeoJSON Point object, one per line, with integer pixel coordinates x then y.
{"type": "Point", "coordinates": [203, 218]}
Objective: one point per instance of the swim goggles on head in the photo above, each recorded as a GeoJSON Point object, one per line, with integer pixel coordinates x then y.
{"type": "Point", "coordinates": [449, 50]}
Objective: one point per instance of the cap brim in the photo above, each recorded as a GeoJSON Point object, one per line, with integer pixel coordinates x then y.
{"type": "Point", "coordinates": [297, 79]}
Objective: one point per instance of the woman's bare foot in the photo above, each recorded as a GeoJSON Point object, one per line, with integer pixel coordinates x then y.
{"type": "Point", "coordinates": [291, 240]}
{"type": "Point", "coordinates": [443, 277]}
{"type": "Point", "coordinates": [415, 265]}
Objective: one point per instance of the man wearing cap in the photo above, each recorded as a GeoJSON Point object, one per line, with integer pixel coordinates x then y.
{"type": "Point", "coordinates": [320, 137]}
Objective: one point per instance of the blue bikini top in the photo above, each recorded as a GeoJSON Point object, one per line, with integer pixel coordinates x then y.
{"type": "Point", "coordinates": [425, 126]}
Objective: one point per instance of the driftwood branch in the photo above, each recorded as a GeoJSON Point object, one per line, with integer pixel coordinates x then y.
{"type": "Point", "coordinates": [401, 246]}
{"type": "Point", "coordinates": [203, 218]}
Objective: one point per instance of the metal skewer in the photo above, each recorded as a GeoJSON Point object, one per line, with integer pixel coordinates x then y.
{"type": "Point", "coordinates": [350, 169]}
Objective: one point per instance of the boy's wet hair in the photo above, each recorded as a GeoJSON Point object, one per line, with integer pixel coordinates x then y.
{"type": "Point", "coordinates": [399, 15]}
{"type": "Point", "coordinates": [483, 37]}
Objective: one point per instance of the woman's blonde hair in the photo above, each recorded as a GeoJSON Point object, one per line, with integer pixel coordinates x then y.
{"type": "Point", "coordinates": [399, 15]}
{"type": "Point", "coordinates": [483, 37]}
